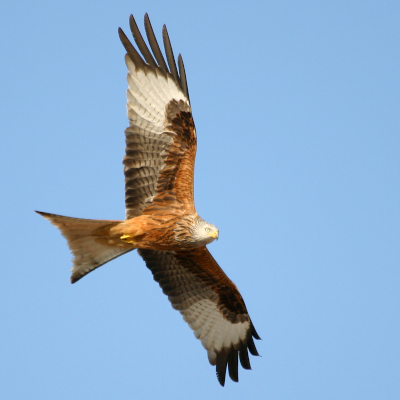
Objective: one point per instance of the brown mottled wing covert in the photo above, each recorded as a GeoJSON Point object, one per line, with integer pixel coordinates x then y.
{"type": "Point", "coordinates": [209, 302]}
{"type": "Point", "coordinates": [161, 138]}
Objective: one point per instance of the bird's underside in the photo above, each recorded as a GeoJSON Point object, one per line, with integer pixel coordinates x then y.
{"type": "Point", "coordinates": [161, 219]}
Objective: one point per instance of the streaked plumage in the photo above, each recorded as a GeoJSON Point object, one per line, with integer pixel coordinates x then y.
{"type": "Point", "coordinates": [161, 219]}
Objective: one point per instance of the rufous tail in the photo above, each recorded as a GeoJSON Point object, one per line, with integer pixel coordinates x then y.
{"type": "Point", "coordinates": [89, 242]}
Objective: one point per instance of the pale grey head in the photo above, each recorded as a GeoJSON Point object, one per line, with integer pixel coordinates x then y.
{"type": "Point", "coordinates": [204, 233]}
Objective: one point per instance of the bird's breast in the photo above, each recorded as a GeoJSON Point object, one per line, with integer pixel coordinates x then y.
{"type": "Point", "coordinates": [156, 232]}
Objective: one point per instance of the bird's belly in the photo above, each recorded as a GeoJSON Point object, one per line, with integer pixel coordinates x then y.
{"type": "Point", "coordinates": [149, 232]}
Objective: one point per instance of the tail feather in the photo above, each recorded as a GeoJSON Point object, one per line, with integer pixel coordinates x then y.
{"type": "Point", "coordinates": [88, 242]}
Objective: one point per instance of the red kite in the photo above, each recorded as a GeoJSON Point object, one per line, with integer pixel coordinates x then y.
{"type": "Point", "coordinates": [161, 219]}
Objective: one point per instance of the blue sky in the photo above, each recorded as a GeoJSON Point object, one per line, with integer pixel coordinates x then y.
{"type": "Point", "coordinates": [297, 110]}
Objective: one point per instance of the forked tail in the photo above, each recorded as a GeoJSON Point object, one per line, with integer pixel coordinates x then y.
{"type": "Point", "coordinates": [89, 242]}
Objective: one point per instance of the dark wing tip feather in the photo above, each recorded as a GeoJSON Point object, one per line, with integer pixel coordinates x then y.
{"type": "Point", "coordinates": [222, 362]}
{"type": "Point", "coordinates": [141, 44]}
{"type": "Point", "coordinates": [182, 75]}
{"type": "Point", "coordinates": [154, 44]}
{"type": "Point", "coordinates": [244, 357]}
{"type": "Point", "coordinates": [233, 366]}
{"type": "Point", "coordinates": [170, 54]}
{"type": "Point", "coordinates": [254, 332]}
{"type": "Point", "coordinates": [252, 347]}
{"type": "Point", "coordinates": [132, 53]}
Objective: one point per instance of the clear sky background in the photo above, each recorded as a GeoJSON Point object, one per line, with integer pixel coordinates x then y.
{"type": "Point", "coordinates": [297, 109]}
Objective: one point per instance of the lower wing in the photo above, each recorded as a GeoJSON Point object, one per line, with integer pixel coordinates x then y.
{"type": "Point", "coordinates": [209, 302]}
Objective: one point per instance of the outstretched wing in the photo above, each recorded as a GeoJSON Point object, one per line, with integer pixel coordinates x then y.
{"type": "Point", "coordinates": [209, 302]}
{"type": "Point", "coordinates": [161, 138]}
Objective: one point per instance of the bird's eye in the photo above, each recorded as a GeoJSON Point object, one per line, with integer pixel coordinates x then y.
{"type": "Point", "coordinates": [208, 230]}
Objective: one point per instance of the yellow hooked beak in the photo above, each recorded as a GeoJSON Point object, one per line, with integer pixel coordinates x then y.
{"type": "Point", "coordinates": [214, 234]}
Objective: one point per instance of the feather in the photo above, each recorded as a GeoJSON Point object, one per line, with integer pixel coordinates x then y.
{"type": "Point", "coordinates": [182, 74]}
{"type": "Point", "coordinates": [170, 54]}
{"type": "Point", "coordinates": [154, 45]}
{"type": "Point", "coordinates": [141, 44]}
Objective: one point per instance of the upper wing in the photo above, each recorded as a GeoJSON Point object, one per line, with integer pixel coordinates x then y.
{"type": "Point", "coordinates": [161, 138]}
{"type": "Point", "coordinates": [209, 302]}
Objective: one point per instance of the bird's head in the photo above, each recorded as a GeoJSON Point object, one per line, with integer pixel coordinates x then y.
{"type": "Point", "coordinates": [204, 232]}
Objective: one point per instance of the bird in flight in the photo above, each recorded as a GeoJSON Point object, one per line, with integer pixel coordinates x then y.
{"type": "Point", "coordinates": [161, 219]}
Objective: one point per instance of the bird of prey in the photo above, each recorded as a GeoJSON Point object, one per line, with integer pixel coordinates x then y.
{"type": "Point", "coordinates": [161, 219]}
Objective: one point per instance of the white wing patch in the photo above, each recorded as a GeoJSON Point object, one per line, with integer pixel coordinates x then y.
{"type": "Point", "coordinates": [214, 331]}
{"type": "Point", "coordinates": [148, 94]}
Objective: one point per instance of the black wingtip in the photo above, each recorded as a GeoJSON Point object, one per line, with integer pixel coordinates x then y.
{"type": "Point", "coordinates": [154, 44]}
{"type": "Point", "coordinates": [170, 55]}
{"type": "Point", "coordinates": [252, 347]}
{"type": "Point", "coordinates": [254, 332]}
{"type": "Point", "coordinates": [182, 75]}
{"type": "Point", "coordinates": [233, 365]}
{"type": "Point", "coordinates": [222, 363]}
{"type": "Point", "coordinates": [244, 357]}
{"type": "Point", "coordinates": [221, 379]}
